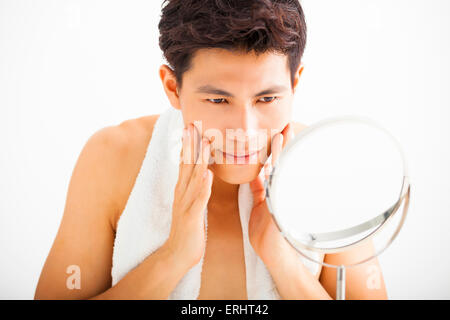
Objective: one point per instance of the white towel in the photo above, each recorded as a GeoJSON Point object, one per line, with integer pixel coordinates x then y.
{"type": "Point", "coordinates": [145, 222]}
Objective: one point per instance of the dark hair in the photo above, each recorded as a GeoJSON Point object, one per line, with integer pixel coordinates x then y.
{"type": "Point", "coordinates": [236, 25]}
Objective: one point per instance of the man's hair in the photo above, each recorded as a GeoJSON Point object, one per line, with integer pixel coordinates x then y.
{"type": "Point", "coordinates": [236, 25]}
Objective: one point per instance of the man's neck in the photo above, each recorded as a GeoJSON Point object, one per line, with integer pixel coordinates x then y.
{"type": "Point", "coordinates": [223, 193]}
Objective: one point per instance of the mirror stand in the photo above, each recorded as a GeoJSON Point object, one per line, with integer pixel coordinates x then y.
{"type": "Point", "coordinates": [340, 282]}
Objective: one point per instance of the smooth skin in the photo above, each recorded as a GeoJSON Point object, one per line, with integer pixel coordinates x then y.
{"type": "Point", "coordinates": [187, 238]}
{"type": "Point", "coordinates": [158, 275]}
{"type": "Point", "coordinates": [110, 161]}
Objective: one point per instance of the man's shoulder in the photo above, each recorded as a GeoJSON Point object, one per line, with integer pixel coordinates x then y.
{"type": "Point", "coordinates": [130, 134]}
{"type": "Point", "coordinates": [137, 129]}
{"type": "Point", "coordinates": [120, 149]}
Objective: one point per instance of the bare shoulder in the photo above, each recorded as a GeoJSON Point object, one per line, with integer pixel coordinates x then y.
{"type": "Point", "coordinates": [121, 148]}
{"type": "Point", "coordinates": [98, 189]}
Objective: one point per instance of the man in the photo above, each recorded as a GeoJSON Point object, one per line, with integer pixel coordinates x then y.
{"type": "Point", "coordinates": [232, 65]}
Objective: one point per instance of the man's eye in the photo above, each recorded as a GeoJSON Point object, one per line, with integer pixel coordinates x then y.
{"type": "Point", "coordinates": [272, 99]}
{"type": "Point", "coordinates": [212, 100]}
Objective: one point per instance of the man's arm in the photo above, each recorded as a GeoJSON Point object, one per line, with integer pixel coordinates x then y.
{"type": "Point", "coordinates": [295, 282]}
{"type": "Point", "coordinates": [80, 260]}
{"type": "Point", "coordinates": [292, 279]}
{"type": "Point", "coordinates": [364, 282]}
{"type": "Point", "coordinates": [153, 279]}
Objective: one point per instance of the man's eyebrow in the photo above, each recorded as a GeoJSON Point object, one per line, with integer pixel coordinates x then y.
{"type": "Point", "coordinates": [212, 90]}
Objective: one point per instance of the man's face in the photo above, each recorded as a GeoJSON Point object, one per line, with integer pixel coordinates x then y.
{"type": "Point", "coordinates": [241, 116]}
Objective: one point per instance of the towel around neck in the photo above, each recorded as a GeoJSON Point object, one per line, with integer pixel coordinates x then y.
{"type": "Point", "coordinates": [144, 224]}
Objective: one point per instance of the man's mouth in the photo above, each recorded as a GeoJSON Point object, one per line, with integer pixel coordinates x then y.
{"type": "Point", "coordinates": [246, 157]}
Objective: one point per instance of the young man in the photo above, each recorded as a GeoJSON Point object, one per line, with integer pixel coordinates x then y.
{"type": "Point", "coordinates": [233, 65]}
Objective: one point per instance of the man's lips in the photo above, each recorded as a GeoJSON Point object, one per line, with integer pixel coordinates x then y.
{"type": "Point", "coordinates": [247, 154]}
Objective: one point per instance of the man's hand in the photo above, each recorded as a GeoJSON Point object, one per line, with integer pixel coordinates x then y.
{"type": "Point", "coordinates": [264, 235]}
{"type": "Point", "coordinates": [291, 277]}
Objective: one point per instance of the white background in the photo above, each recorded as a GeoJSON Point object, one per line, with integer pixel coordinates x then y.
{"type": "Point", "coordinates": [69, 68]}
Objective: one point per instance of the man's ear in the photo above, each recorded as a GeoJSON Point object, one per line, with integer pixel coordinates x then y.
{"type": "Point", "coordinates": [298, 73]}
{"type": "Point", "coordinates": [169, 83]}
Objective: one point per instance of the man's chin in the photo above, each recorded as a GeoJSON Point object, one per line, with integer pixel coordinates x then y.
{"type": "Point", "coordinates": [237, 173]}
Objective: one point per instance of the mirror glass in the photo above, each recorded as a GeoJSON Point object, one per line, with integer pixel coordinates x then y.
{"type": "Point", "coordinates": [338, 184]}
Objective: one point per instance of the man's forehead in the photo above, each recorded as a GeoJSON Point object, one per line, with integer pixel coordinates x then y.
{"type": "Point", "coordinates": [209, 89]}
{"type": "Point", "coordinates": [226, 58]}
{"type": "Point", "coordinates": [219, 68]}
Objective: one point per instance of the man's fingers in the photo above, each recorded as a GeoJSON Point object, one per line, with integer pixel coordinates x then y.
{"type": "Point", "coordinates": [197, 182]}
{"type": "Point", "coordinates": [184, 155]}
{"type": "Point", "coordinates": [199, 188]}
{"type": "Point", "coordinates": [189, 156]}
{"type": "Point", "coordinates": [277, 146]}
{"type": "Point", "coordinates": [202, 160]}
{"type": "Point", "coordinates": [288, 135]}
{"type": "Point", "coordinates": [196, 141]}
{"type": "Point", "coordinates": [279, 141]}
{"type": "Point", "coordinates": [258, 191]}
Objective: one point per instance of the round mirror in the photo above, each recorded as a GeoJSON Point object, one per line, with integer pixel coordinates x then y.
{"type": "Point", "coordinates": [338, 184]}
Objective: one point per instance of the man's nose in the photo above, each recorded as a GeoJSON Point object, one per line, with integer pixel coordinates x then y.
{"type": "Point", "coordinates": [246, 125]}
